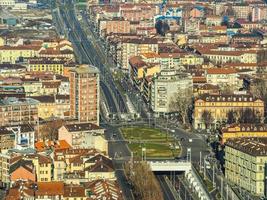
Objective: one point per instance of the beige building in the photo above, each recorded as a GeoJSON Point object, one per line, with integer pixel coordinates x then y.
{"type": "Point", "coordinates": [18, 110]}
{"type": "Point", "coordinates": [224, 78]}
{"type": "Point", "coordinates": [84, 135]}
{"type": "Point", "coordinates": [245, 164]}
{"type": "Point", "coordinates": [85, 94]}
{"type": "Point", "coordinates": [135, 47]}
{"type": "Point", "coordinates": [11, 54]}
{"type": "Point", "coordinates": [219, 105]}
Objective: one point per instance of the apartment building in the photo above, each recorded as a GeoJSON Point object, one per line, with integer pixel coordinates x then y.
{"type": "Point", "coordinates": [219, 105]}
{"type": "Point", "coordinates": [114, 25]}
{"type": "Point", "coordinates": [243, 131]}
{"type": "Point", "coordinates": [245, 164]}
{"type": "Point", "coordinates": [135, 47]}
{"type": "Point", "coordinates": [139, 69]}
{"type": "Point", "coordinates": [43, 165]}
{"type": "Point", "coordinates": [84, 94]}
{"type": "Point", "coordinates": [13, 54]}
{"type": "Point", "coordinates": [53, 106]}
{"type": "Point", "coordinates": [84, 135]}
{"type": "Point", "coordinates": [53, 65]}
{"type": "Point", "coordinates": [7, 3]}
{"type": "Point", "coordinates": [12, 70]}
{"type": "Point", "coordinates": [166, 86]}
{"type": "Point", "coordinates": [15, 111]}
{"type": "Point", "coordinates": [242, 10]}
{"type": "Point", "coordinates": [224, 77]}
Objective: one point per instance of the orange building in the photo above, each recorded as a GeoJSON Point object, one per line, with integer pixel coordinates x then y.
{"type": "Point", "coordinates": [84, 94]}
{"type": "Point", "coordinates": [22, 170]}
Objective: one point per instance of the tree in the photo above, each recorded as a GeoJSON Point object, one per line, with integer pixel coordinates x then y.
{"type": "Point", "coordinates": [231, 117]}
{"type": "Point", "coordinates": [207, 118]}
{"type": "Point", "coordinates": [144, 183]}
{"type": "Point", "coordinates": [181, 105]}
{"type": "Point", "coordinates": [248, 116]}
{"type": "Point", "coordinates": [259, 89]}
{"type": "Point", "coordinates": [162, 27]}
{"type": "Point", "coordinates": [49, 130]}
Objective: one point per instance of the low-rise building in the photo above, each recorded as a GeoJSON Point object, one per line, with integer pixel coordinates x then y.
{"type": "Point", "coordinates": [219, 105]}
{"type": "Point", "coordinates": [245, 164]}
{"type": "Point", "coordinates": [224, 78]}
{"type": "Point", "coordinates": [243, 131]}
{"type": "Point", "coordinates": [43, 64]}
{"type": "Point", "coordinates": [84, 135]}
{"type": "Point", "coordinates": [13, 54]}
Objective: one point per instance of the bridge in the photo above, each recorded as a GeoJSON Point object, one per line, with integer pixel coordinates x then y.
{"type": "Point", "coordinates": [192, 176]}
{"type": "Point", "coordinates": [161, 166]}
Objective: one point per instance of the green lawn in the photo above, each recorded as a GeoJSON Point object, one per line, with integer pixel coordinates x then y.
{"type": "Point", "coordinates": [157, 143]}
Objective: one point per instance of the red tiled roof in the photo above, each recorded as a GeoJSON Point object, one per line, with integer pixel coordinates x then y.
{"type": "Point", "coordinates": [50, 188]}
{"type": "Point", "coordinates": [221, 71]}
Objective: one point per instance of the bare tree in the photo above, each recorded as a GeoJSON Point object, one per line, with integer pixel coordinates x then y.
{"type": "Point", "coordinates": [49, 130]}
{"type": "Point", "coordinates": [248, 115]}
{"type": "Point", "coordinates": [181, 105]}
{"type": "Point", "coordinates": [144, 183]}
{"type": "Point", "coordinates": [231, 117]}
{"type": "Point", "coordinates": [259, 89]}
{"type": "Point", "coordinates": [207, 118]}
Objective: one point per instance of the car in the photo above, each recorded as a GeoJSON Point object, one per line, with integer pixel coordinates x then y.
{"type": "Point", "coordinates": [172, 130]}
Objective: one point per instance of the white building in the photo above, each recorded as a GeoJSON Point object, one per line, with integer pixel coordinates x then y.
{"type": "Point", "coordinates": [165, 87]}
{"type": "Point", "coordinates": [84, 135]}
{"type": "Point", "coordinates": [7, 3]}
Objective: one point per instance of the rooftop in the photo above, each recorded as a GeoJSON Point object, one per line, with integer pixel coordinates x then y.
{"type": "Point", "coordinates": [251, 146]}
{"type": "Point", "coordinates": [50, 188]}
{"type": "Point", "coordinates": [18, 101]}
{"type": "Point", "coordinates": [85, 69]}
{"type": "Point", "coordinates": [81, 127]}
{"type": "Point", "coordinates": [228, 98]}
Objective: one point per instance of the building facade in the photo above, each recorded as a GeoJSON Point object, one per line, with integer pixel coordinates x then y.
{"type": "Point", "coordinates": [84, 94]}
{"type": "Point", "coordinates": [15, 111]}
{"type": "Point", "coordinates": [220, 105]}
{"type": "Point", "coordinates": [166, 86]}
{"type": "Point", "coordinates": [245, 164]}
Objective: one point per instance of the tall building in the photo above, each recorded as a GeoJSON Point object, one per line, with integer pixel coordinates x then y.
{"type": "Point", "coordinates": [165, 87]}
{"type": "Point", "coordinates": [245, 164]}
{"type": "Point", "coordinates": [84, 94]}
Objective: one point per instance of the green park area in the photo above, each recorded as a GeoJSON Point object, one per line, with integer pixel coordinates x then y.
{"type": "Point", "coordinates": [155, 143]}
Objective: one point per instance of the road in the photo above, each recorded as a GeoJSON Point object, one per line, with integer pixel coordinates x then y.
{"type": "Point", "coordinates": [87, 54]}
{"type": "Point", "coordinates": [167, 194]}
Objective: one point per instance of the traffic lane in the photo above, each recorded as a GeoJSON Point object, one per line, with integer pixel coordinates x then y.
{"type": "Point", "coordinates": [167, 194]}
{"type": "Point", "coordinates": [122, 181]}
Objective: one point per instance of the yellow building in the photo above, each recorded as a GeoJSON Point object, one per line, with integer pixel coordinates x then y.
{"type": "Point", "coordinates": [49, 106]}
{"type": "Point", "coordinates": [11, 54]}
{"type": "Point", "coordinates": [43, 167]}
{"type": "Point", "coordinates": [191, 59]}
{"type": "Point", "coordinates": [2, 41]}
{"type": "Point", "coordinates": [46, 65]}
{"type": "Point", "coordinates": [245, 163]}
{"type": "Point", "coordinates": [220, 105]}
{"type": "Point", "coordinates": [140, 69]}
{"type": "Point", "coordinates": [243, 131]}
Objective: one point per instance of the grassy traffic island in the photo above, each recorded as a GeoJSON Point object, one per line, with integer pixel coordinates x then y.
{"type": "Point", "coordinates": [154, 142]}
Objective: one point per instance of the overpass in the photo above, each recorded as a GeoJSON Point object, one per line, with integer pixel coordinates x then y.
{"type": "Point", "coordinates": [161, 166]}
{"type": "Point", "coordinates": [195, 182]}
